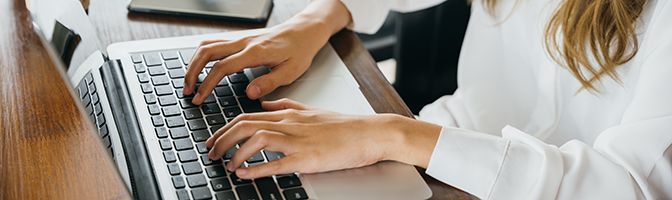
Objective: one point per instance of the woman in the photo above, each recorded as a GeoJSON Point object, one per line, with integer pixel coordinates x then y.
{"type": "Point", "coordinates": [557, 99]}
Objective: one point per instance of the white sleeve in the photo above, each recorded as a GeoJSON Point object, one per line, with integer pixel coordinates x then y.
{"type": "Point", "coordinates": [369, 15]}
{"type": "Point", "coordinates": [631, 160]}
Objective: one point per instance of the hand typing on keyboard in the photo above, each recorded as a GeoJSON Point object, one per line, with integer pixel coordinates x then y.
{"type": "Point", "coordinates": [319, 141]}
{"type": "Point", "coordinates": [288, 49]}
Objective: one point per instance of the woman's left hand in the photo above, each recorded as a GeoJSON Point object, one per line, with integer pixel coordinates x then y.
{"type": "Point", "coordinates": [318, 141]}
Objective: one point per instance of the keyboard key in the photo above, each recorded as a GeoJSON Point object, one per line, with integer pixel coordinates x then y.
{"type": "Point", "coordinates": [187, 156]}
{"type": "Point", "coordinates": [169, 55]}
{"type": "Point", "coordinates": [289, 181]}
{"type": "Point", "coordinates": [176, 73]}
{"type": "Point", "coordinates": [201, 193]}
{"type": "Point", "coordinates": [180, 94]}
{"type": "Point", "coordinates": [169, 156]}
{"type": "Point", "coordinates": [247, 192]}
{"type": "Point", "coordinates": [179, 132]}
{"type": "Point", "coordinates": [178, 83]}
{"type": "Point", "coordinates": [167, 100]}
{"type": "Point", "coordinates": [152, 59]}
{"type": "Point", "coordinates": [182, 194]}
{"type": "Point", "coordinates": [210, 108]}
{"type": "Point", "coordinates": [256, 158]}
{"type": "Point", "coordinates": [178, 182]}
{"type": "Point", "coordinates": [103, 131]}
{"type": "Point", "coordinates": [196, 180]}
{"type": "Point", "coordinates": [100, 120]}
{"type": "Point", "coordinates": [250, 106]}
{"type": "Point", "coordinates": [160, 80]}
{"type": "Point", "coordinates": [214, 129]}
{"type": "Point", "coordinates": [238, 77]}
{"type": "Point", "coordinates": [174, 121]}
{"type": "Point", "coordinates": [155, 71]}
{"type": "Point", "coordinates": [174, 169]}
{"type": "Point", "coordinates": [164, 90]}
{"type": "Point", "coordinates": [239, 89]}
{"type": "Point", "coordinates": [186, 55]}
{"type": "Point", "coordinates": [238, 181]}
{"type": "Point", "coordinates": [183, 144]}
{"type": "Point", "coordinates": [267, 189]}
{"type": "Point", "coordinates": [206, 161]}
{"type": "Point", "coordinates": [106, 141]}
{"type": "Point", "coordinates": [215, 120]}
{"type": "Point", "coordinates": [150, 98]}
{"type": "Point", "coordinates": [143, 78]}
{"type": "Point", "coordinates": [227, 101]}
{"type": "Point", "coordinates": [229, 153]}
{"type": "Point", "coordinates": [173, 64]}
{"type": "Point", "coordinates": [146, 88]}
{"type": "Point", "coordinates": [201, 78]}
{"type": "Point", "coordinates": [89, 78]}
{"type": "Point", "coordinates": [196, 124]}
{"type": "Point", "coordinates": [193, 113]}
{"type": "Point", "coordinates": [186, 103]}
{"type": "Point", "coordinates": [210, 99]}
{"type": "Point", "coordinates": [273, 155]}
{"type": "Point", "coordinates": [157, 120]}
{"type": "Point", "coordinates": [226, 195]}
{"type": "Point", "coordinates": [136, 58]}
{"type": "Point", "coordinates": [165, 144]}
{"type": "Point", "coordinates": [140, 68]}
{"type": "Point", "coordinates": [97, 108]}
{"type": "Point", "coordinates": [192, 168]}
{"type": "Point", "coordinates": [232, 112]}
{"type": "Point", "coordinates": [154, 109]}
{"type": "Point", "coordinates": [161, 132]}
{"type": "Point", "coordinates": [223, 91]}
{"type": "Point", "coordinates": [82, 88]}
{"type": "Point", "coordinates": [87, 101]}
{"type": "Point", "coordinates": [92, 88]}
{"type": "Point", "coordinates": [94, 98]}
{"type": "Point", "coordinates": [201, 147]}
{"type": "Point", "coordinates": [295, 194]}
{"type": "Point", "coordinates": [223, 82]}
{"type": "Point", "coordinates": [215, 171]}
{"type": "Point", "coordinates": [171, 111]}
{"type": "Point", "coordinates": [200, 135]}
{"type": "Point", "coordinates": [220, 184]}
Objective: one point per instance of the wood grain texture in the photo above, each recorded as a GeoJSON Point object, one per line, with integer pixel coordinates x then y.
{"type": "Point", "coordinates": [48, 150]}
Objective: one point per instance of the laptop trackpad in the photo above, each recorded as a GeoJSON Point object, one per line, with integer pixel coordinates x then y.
{"type": "Point", "coordinates": [332, 93]}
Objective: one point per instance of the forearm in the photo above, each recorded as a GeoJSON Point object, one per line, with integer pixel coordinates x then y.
{"type": "Point", "coordinates": [324, 17]}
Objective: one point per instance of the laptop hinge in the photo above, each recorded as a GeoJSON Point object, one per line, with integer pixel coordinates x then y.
{"type": "Point", "coordinates": [143, 182]}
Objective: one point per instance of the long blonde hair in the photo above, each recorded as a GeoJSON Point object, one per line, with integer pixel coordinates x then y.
{"type": "Point", "coordinates": [592, 37]}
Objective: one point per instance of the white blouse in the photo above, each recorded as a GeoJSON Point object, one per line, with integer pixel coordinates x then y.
{"type": "Point", "coordinates": [517, 129]}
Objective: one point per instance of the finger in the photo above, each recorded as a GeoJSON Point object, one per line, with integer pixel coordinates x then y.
{"type": "Point", "coordinates": [244, 130]}
{"type": "Point", "coordinates": [274, 116]}
{"type": "Point", "coordinates": [205, 54]}
{"type": "Point", "coordinates": [280, 75]}
{"type": "Point", "coordinates": [216, 75]}
{"type": "Point", "coordinates": [285, 165]}
{"type": "Point", "coordinates": [283, 104]}
{"type": "Point", "coordinates": [206, 42]}
{"type": "Point", "coordinates": [262, 139]}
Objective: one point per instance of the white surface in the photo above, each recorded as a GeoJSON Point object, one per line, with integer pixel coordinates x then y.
{"type": "Point", "coordinates": [328, 73]}
{"type": "Point", "coordinates": [612, 145]}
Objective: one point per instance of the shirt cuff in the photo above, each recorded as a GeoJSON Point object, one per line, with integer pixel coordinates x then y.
{"type": "Point", "coordinates": [367, 15]}
{"type": "Point", "coordinates": [467, 160]}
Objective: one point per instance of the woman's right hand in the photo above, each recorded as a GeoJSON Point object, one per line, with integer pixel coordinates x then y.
{"type": "Point", "coordinates": [288, 49]}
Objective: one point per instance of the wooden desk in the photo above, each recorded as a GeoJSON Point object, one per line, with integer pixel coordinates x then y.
{"type": "Point", "coordinates": [47, 148]}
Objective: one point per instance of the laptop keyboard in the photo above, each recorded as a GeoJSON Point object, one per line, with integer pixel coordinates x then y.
{"type": "Point", "coordinates": [183, 128]}
{"type": "Point", "coordinates": [88, 94]}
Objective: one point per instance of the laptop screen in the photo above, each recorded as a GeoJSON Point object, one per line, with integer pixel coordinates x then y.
{"type": "Point", "coordinates": [67, 29]}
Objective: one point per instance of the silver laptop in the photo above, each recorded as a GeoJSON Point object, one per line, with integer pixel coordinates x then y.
{"type": "Point", "coordinates": [156, 136]}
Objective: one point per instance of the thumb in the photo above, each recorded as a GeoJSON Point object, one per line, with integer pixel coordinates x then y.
{"type": "Point", "coordinates": [279, 76]}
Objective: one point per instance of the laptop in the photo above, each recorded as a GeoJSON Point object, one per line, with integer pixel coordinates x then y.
{"type": "Point", "coordinates": [132, 93]}
{"type": "Point", "coordinates": [238, 10]}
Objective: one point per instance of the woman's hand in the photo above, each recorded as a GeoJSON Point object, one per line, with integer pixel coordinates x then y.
{"type": "Point", "coordinates": [318, 141]}
{"type": "Point", "coordinates": [288, 49]}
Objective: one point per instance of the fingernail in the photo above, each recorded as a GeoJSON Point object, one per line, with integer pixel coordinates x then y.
{"type": "Point", "coordinates": [229, 167]}
{"type": "Point", "coordinates": [241, 172]}
{"type": "Point", "coordinates": [254, 91]}
{"type": "Point", "coordinates": [196, 97]}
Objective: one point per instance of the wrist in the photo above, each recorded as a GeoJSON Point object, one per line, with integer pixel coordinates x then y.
{"type": "Point", "coordinates": [410, 141]}
{"type": "Point", "coordinates": [326, 16]}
